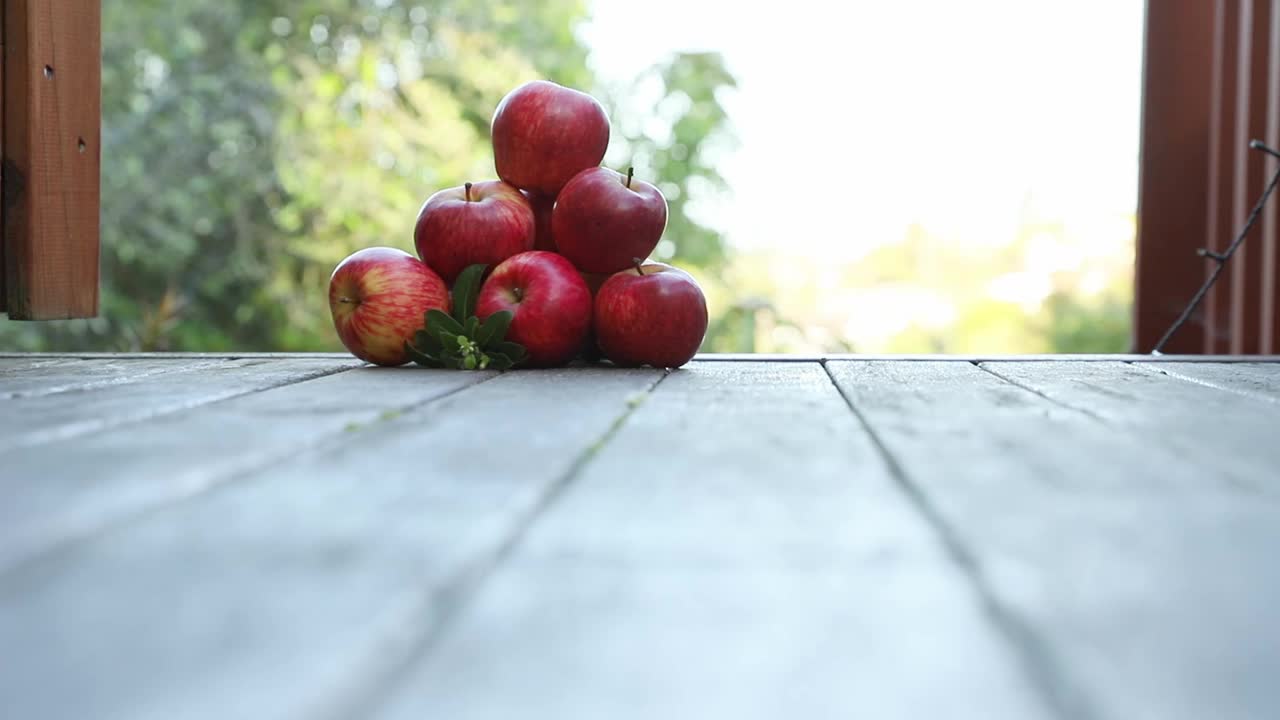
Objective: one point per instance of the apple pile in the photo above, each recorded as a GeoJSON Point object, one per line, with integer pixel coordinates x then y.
{"type": "Point", "coordinates": [537, 268]}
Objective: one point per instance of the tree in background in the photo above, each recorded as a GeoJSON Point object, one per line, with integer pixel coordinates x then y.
{"type": "Point", "coordinates": [249, 145]}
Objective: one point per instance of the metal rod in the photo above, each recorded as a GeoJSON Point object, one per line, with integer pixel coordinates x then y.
{"type": "Point", "coordinates": [1222, 258]}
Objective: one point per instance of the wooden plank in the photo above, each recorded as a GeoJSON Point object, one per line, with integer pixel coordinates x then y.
{"type": "Point", "coordinates": [12, 366]}
{"type": "Point", "coordinates": [702, 357]}
{"type": "Point", "coordinates": [1244, 378]}
{"type": "Point", "coordinates": [66, 491]}
{"type": "Point", "coordinates": [80, 375]}
{"type": "Point", "coordinates": [1117, 357]}
{"type": "Point", "coordinates": [177, 356]}
{"type": "Point", "coordinates": [30, 421]}
{"type": "Point", "coordinates": [1227, 438]}
{"type": "Point", "coordinates": [1147, 604]}
{"type": "Point", "coordinates": [52, 116]}
{"type": "Point", "coordinates": [736, 551]}
{"type": "Point", "coordinates": [294, 591]}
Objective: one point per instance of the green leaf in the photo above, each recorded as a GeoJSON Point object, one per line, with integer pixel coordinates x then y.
{"type": "Point", "coordinates": [427, 342]}
{"type": "Point", "coordinates": [438, 322]}
{"type": "Point", "coordinates": [465, 291]}
{"type": "Point", "coordinates": [425, 359]}
{"type": "Point", "coordinates": [494, 328]}
{"type": "Point", "coordinates": [515, 351]}
{"type": "Point", "coordinates": [498, 361]}
{"type": "Point", "coordinates": [471, 326]}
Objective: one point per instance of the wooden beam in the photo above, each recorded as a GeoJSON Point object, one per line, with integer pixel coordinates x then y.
{"type": "Point", "coordinates": [1251, 119]}
{"type": "Point", "coordinates": [1221, 225]}
{"type": "Point", "coordinates": [1271, 217]}
{"type": "Point", "coordinates": [3, 214]}
{"type": "Point", "coordinates": [1173, 190]}
{"type": "Point", "coordinates": [52, 118]}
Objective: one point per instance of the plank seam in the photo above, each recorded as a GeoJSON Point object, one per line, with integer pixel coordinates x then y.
{"type": "Point", "coordinates": [456, 592]}
{"type": "Point", "coordinates": [74, 430]}
{"type": "Point", "coordinates": [1038, 393]}
{"type": "Point", "coordinates": [1173, 374]}
{"type": "Point", "coordinates": [192, 491]}
{"type": "Point", "coordinates": [111, 382]}
{"type": "Point", "coordinates": [1063, 700]}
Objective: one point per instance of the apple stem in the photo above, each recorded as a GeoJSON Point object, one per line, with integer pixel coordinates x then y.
{"type": "Point", "coordinates": [638, 263]}
{"type": "Point", "coordinates": [466, 188]}
{"type": "Point", "coordinates": [630, 171]}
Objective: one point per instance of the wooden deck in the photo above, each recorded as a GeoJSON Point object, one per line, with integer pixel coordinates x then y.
{"type": "Point", "coordinates": [191, 537]}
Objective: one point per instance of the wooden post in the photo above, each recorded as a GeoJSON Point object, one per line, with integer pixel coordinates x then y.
{"type": "Point", "coordinates": [1173, 170]}
{"type": "Point", "coordinates": [1251, 122]}
{"type": "Point", "coordinates": [1191, 198]}
{"type": "Point", "coordinates": [52, 119]}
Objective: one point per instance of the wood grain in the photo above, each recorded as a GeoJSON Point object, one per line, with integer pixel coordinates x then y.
{"type": "Point", "coordinates": [1228, 439]}
{"type": "Point", "coordinates": [1255, 379]}
{"type": "Point", "coordinates": [209, 536]}
{"type": "Point", "coordinates": [736, 551]}
{"type": "Point", "coordinates": [295, 591]}
{"type": "Point", "coordinates": [80, 375]}
{"type": "Point", "coordinates": [1144, 597]}
{"type": "Point", "coordinates": [65, 491]}
{"type": "Point", "coordinates": [52, 118]}
{"type": "Point", "coordinates": [29, 421]}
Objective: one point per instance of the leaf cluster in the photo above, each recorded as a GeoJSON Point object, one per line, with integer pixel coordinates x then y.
{"type": "Point", "coordinates": [462, 341]}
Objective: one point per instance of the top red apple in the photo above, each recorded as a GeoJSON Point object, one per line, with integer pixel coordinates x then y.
{"type": "Point", "coordinates": [544, 134]}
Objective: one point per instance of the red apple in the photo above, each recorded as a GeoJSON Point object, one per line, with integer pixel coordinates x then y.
{"type": "Point", "coordinates": [377, 297]}
{"type": "Point", "coordinates": [542, 206]}
{"type": "Point", "coordinates": [544, 134]}
{"type": "Point", "coordinates": [484, 222]}
{"type": "Point", "coordinates": [549, 302]}
{"type": "Point", "coordinates": [652, 314]}
{"type": "Point", "coordinates": [604, 220]}
{"type": "Point", "coordinates": [595, 280]}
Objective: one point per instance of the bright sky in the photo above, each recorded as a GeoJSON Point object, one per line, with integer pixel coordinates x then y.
{"type": "Point", "coordinates": [858, 118]}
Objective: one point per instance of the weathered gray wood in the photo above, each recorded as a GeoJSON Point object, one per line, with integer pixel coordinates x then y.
{"type": "Point", "coordinates": [69, 489]}
{"type": "Point", "coordinates": [31, 420]}
{"type": "Point", "coordinates": [713, 357]}
{"type": "Point", "coordinates": [1247, 378]}
{"type": "Point", "coordinates": [1140, 597]}
{"type": "Point", "coordinates": [1220, 433]}
{"type": "Point", "coordinates": [1153, 359]}
{"type": "Point", "coordinates": [29, 363]}
{"type": "Point", "coordinates": [79, 375]}
{"type": "Point", "coordinates": [296, 592]}
{"type": "Point", "coordinates": [736, 551]}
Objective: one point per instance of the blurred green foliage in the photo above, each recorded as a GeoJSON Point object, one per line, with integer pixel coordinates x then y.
{"type": "Point", "coordinates": [249, 145]}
